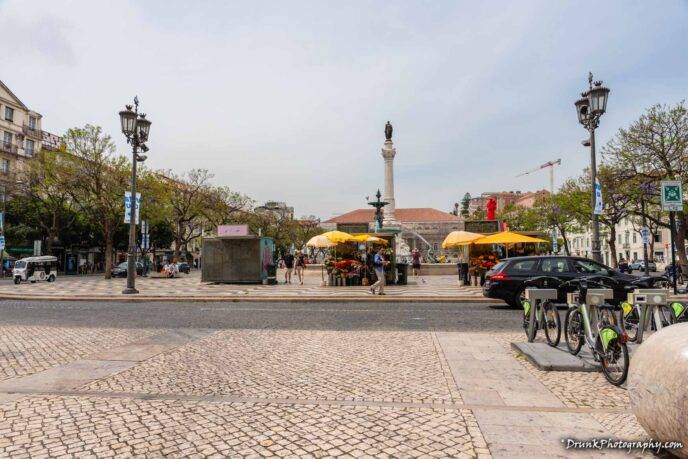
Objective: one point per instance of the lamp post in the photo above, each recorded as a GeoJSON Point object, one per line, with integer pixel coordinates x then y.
{"type": "Point", "coordinates": [646, 190]}
{"type": "Point", "coordinates": [590, 107]}
{"type": "Point", "coordinates": [135, 128]}
{"type": "Point", "coordinates": [378, 209]}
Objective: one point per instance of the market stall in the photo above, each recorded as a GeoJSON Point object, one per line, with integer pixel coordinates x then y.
{"type": "Point", "coordinates": [479, 253]}
{"type": "Point", "coordinates": [349, 260]}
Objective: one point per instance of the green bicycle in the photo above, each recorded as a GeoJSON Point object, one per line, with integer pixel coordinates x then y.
{"type": "Point", "coordinates": [591, 320]}
{"type": "Point", "coordinates": [540, 311]}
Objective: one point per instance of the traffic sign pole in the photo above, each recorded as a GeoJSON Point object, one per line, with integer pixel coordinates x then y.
{"type": "Point", "coordinates": [672, 222]}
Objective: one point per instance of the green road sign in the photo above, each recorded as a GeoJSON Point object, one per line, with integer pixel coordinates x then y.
{"type": "Point", "coordinates": [672, 195]}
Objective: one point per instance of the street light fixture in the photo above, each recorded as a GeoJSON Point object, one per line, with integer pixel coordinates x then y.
{"type": "Point", "coordinates": [135, 128]}
{"type": "Point", "coordinates": [590, 107]}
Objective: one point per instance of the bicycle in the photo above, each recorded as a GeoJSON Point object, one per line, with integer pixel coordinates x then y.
{"type": "Point", "coordinates": [544, 314]}
{"type": "Point", "coordinates": [648, 308]}
{"type": "Point", "coordinates": [590, 320]}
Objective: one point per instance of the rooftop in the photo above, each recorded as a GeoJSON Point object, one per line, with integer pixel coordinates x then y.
{"type": "Point", "coordinates": [420, 214]}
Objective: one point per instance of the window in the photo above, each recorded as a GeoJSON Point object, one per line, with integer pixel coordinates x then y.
{"type": "Point", "coordinates": [523, 266]}
{"type": "Point", "coordinates": [589, 267]}
{"type": "Point", "coordinates": [619, 239]}
{"type": "Point", "coordinates": [32, 122]}
{"type": "Point", "coordinates": [554, 265]}
{"type": "Point", "coordinates": [635, 254]}
{"type": "Point", "coordinates": [9, 114]}
{"type": "Point", "coordinates": [29, 147]}
{"type": "Point", "coordinates": [658, 237]}
{"type": "Point", "coordinates": [4, 166]}
{"type": "Point", "coordinates": [635, 238]}
{"type": "Point", "coordinates": [7, 138]}
{"type": "Point", "coordinates": [435, 247]}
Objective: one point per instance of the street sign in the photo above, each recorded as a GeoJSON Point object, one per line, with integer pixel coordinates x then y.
{"type": "Point", "coordinates": [672, 195]}
{"type": "Point", "coordinates": [127, 207]}
{"type": "Point", "coordinates": [598, 198]}
{"type": "Point", "coordinates": [645, 233]}
{"type": "Point", "coordinates": [2, 243]}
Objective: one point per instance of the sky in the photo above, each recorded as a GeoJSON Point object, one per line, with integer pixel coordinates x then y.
{"type": "Point", "coordinates": [287, 101]}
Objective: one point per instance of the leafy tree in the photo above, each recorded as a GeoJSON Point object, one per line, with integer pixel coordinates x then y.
{"type": "Point", "coordinates": [465, 203]}
{"type": "Point", "coordinates": [97, 179]}
{"type": "Point", "coordinates": [651, 149]}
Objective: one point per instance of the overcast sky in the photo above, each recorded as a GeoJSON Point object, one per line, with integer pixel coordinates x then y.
{"type": "Point", "coordinates": [288, 100]}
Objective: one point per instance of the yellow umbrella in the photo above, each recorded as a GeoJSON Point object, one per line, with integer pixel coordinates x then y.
{"type": "Point", "coordinates": [360, 237]}
{"type": "Point", "coordinates": [320, 242]}
{"type": "Point", "coordinates": [377, 240]}
{"type": "Point", "coordinates": [507, 237]}
{"type": "Point", "coordinates": [338, 236]}
{"type": "Point", "coordinates": [456, 238]}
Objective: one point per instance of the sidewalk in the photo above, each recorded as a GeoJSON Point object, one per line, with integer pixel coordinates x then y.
{"type": "Point", "coordinates": [190, 288]}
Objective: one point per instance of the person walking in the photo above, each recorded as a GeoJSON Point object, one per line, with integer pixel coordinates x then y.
{"type": "Point", "coordinates": [379, 264]}
{"type": "Point", "coordinates": [300, 265]}
{"type": "Point", "coordinates": [415, 263]}
{"type": "Point", "coordinates": [288, 259]}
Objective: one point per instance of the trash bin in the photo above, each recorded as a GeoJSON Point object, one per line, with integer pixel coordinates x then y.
{"type": "Point", "coordinates": [402, 273]}
{"type": "Point", "coordinates": [463, 272]}
{"type": "Point", "coordinates": [272, 274]}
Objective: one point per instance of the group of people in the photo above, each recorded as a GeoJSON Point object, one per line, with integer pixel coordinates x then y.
{"type": "Point", "coordinates": [295, 262]}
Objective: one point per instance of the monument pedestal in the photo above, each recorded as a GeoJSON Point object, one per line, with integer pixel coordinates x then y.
{"type": "Point", "coordinates": [388, 154]}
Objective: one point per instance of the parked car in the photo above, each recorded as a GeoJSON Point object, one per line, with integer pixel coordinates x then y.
{"type": "Point", "coordinates": [183, 267]}
{"type": "Point", "coordinates": [505, 280]}
{"type": "Point", "coordinates": [640, 266]}
{"type": "Point", "coordinates": [121, 269]}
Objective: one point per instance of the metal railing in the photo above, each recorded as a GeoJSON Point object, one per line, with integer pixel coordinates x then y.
{"type": "Point", "coordinates": [8, 147]}
{"type": "Point", "coordinates": [32, 131]}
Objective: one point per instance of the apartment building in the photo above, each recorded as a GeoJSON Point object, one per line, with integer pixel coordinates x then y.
{"type": "Point", "coordinates": [21, 137]}
{"type": "Point", "coordinates": [628, 244]}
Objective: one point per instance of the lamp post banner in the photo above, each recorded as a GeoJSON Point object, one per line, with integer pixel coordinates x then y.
{"type": "Point", "coordinates": [127, 207]}
{"type": "Point", "coordinates": [598, 198]}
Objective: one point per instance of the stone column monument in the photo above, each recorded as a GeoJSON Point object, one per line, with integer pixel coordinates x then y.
{"type": "Point", "coordinates": [388, 153]}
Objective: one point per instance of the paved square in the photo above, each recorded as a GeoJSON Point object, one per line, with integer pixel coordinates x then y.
{"type": "Point", "coordinates": [313, 365]}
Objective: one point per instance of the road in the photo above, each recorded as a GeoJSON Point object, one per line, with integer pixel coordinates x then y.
{"type": "Point", "coordinates": [468, 317]}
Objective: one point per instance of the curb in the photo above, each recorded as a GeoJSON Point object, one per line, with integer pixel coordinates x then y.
{"type": "Point", "coordinates": [254, 299]}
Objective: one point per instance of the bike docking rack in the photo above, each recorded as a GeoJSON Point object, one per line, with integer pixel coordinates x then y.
{"type": "Point", "coordinates": [650, 302]}
{"type": "Point", "coordinates": [536, 297]}
{"type": "Point", "coordinates": [548, 358]}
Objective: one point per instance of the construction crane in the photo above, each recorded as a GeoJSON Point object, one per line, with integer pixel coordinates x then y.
{"type": "Point", "coordinates": [549, 164]}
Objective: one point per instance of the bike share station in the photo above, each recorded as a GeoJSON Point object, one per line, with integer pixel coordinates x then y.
{"type": "Point", "coordinates": [645, 309]}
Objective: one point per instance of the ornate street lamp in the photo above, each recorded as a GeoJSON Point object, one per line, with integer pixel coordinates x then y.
{"type": "Point", "coordinates": [135, 128]}
{"type": "Point", "coordinates": [378, 205]}
{"type": "Point", "coordinates": [590, 107]}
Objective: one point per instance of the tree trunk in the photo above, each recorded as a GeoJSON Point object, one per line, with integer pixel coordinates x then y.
{"type": "Point", "coordinates": [612, 246]}
{"type": "Point", "coordinates": [567, 249]}
{"type": "Point", "coordinates": [178, 241]}
{"type": "Point", "coordinates": [107, 235]}
{"type": "Point", "coordinates": [681, 241]}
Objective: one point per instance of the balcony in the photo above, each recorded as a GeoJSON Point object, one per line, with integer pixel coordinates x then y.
{"type": "Point", "coordinates": [32, 132]}
{"type": "Point", "coordinates": [8, 147]}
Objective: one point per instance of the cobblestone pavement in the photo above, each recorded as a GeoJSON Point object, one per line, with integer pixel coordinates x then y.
{"type": "Point", "coordinates": [191, 286]}
{"type": "Point", "coordinates": [301, 393]}
{"type": "Point", "coordinates": [379, 366]}
{"type": "Point", "coordinates": [25, 350]}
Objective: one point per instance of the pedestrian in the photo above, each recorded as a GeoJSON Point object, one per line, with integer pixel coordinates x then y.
{"type": "Point", "coordinates": [415, 263]}
{"type": "Point", "coordinates": [288, 259]}
{"type": "Point", "coordinates": [379, 264]}
{"type": "Point", "coordinates": [300, 265]}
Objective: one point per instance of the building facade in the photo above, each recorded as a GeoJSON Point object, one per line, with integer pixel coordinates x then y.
{"type": "Point", "coordinates": [628, 244]}
{"type": "Point", "coordinates": [21, 136]}
{"type": "Point", "coordinates": [506, 198]}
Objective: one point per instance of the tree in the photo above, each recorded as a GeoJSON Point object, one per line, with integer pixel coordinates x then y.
{"type": "Point", "coordinates": [305, 228]}
{"type": "Point", "coordinates": [465, 203]}
{"type": "Point", "coordinates": [46, 177]}
{"type": "Point", "coordinates": [651, 149]}
{"type": "Point", "coordinates": [187, 196]}
{"type": "Point", "coordinates": [97, 181]}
